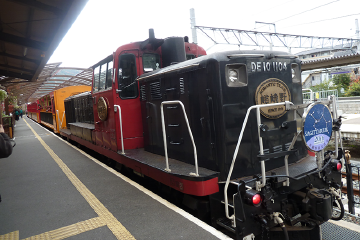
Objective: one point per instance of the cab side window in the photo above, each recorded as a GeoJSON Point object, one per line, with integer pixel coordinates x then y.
{"type": "Point", "coordinates": [109, 75]}
{"type": "Point", "coordinates": [103, 71]}
{"type": "Point", "coordinates": [96, 78]}
{"type": "Point", "coordinates": [103, 76]}
{"type": "Point", "coordinates": [127, 76]}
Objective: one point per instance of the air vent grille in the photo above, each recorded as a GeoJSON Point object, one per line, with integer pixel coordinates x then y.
{"type": "Point", "coordinates": [182, 86]}
{"type": "Point", "coordinates": [155, 90]}
{"type": "Point", "coordinates": [142, 93]}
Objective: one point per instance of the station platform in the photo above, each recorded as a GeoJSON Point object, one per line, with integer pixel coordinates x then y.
{"type": "Point", "coordinates": [52, 190]}
{"type": "Point", "coordinates": [350, 127]}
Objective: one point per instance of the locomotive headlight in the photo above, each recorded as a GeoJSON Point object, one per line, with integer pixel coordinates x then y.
{"type": "Point", "coordinates": [295, 73]}
{"type": "Point", "coordinates": [233, 75]}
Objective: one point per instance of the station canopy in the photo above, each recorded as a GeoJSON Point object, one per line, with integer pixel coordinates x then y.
{"type": "Point", "coordinates": [30, 31]}
{"type": "Point", "coordinates": [51, 78]}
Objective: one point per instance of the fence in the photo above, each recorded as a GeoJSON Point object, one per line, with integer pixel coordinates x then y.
{"type": "Point", "coordinates": [310, 96]}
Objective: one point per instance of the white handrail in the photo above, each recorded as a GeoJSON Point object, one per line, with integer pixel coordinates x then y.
{"type": "Point", "coordinates": [190, 133]}
{"type": "Point", "coordinates": [311, 93]}
{"type": "Point", "coordinates": [62, 119]}
{"type": "Point", "coordinates": [58, 117]}
{"type": "Point", "coordinates": [263, 172]}
{"type": "Point", "coordinates": [121, 131]}
{"type": "Point", "coordinates": [58, 121]}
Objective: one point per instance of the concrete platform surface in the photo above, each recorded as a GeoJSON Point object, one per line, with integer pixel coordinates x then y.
{"type": "Point", "coordinates": [52, 190]}
{"type": "Point", "coordinates": [350, 123]}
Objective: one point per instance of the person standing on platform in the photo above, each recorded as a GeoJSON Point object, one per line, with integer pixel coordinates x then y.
{"type": "Point", "coordinates": [17, 113]}
{"type": "Point", "coordinates": [5, 144]}
{"type": "Point", "coordinates": [21, 112]}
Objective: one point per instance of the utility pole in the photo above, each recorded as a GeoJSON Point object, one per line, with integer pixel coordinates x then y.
{"type": "Point", "coordinates": [357, 35]}
{"type": "Point", "coordinates": [273, 24]}
{"type": "Point", "coordinates": [193, 24]}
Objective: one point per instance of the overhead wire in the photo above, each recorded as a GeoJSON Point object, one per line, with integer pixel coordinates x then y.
{"type": "Point", "coordinates": [306, 11]}
{"type": "Point", "coordinates": [322, 20]}
{"type": "Point", "coordinates": [302, 12]}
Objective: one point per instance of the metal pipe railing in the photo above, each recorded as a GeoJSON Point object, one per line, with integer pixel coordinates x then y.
{"type": "Point", "coordinates": [62, 119]}
{"type": "Point", "coordinates": [190, 133]}
{"type": "Point", "coordinates": [121, 130]}
{"type": "Point", "coordinates": [263, 172]}
{"type": "Point", "coordinates": [311, 93]}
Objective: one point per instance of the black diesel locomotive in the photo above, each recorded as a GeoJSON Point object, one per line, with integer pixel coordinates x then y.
{"type": "Point", "coordinates": [237, 121]}
{"type": "Point", "coordinates": [270, 187]}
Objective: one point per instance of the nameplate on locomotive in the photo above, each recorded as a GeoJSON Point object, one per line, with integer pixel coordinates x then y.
{"type": "Point", "coordinates": [317, 127]}
{"type": "Point", "coordinates": [102, 109]}
{"type": "Point", "coordinates": [272, 90]}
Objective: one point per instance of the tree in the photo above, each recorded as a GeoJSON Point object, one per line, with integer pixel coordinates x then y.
{"type": "Point", "coordinates": [342, 81]}
{"type": "Point", "coordinates": [325, 85]}
{"type": "Point", "coordinates": [354, 90]}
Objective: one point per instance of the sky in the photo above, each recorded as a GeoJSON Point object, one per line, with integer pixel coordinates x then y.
{"type": "Point", "coordinates": [105, 25]}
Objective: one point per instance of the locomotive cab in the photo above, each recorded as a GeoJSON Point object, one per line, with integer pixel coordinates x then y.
{"type": "Point", "coordinates": [115, 90]}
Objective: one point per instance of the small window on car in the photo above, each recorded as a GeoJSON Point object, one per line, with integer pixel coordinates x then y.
{"type": "Point", "coordinates": [96, 78]}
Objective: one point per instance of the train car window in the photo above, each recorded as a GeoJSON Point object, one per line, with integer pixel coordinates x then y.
{"type": "Point", "coordinates": [109, 75]}
{"type": "Point", "coordinates": [151, 62]}
{"type": "Point", "coordinates": [96, 78]}
{"type": "Point", "coordinates": [103, 71]}
{"type": "Point", "coordinates": [190, 56]}
{"type": "Point", "coordinates": [127, 76]}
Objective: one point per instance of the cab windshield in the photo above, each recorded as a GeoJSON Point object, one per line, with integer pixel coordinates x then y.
{"type": "Point", "coordinates": [151, 62]}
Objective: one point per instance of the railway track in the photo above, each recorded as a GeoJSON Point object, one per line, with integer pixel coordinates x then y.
{"type": "Point", "coordinates": [355, 177]}
{"type": "Point", "coordinates": [356, 191]}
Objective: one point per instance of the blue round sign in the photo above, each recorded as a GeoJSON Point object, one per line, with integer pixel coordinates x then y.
{"type": "Point", "coordinates": [317, 127]}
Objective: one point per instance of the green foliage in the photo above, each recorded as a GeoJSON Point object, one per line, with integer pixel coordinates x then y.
{"type": "Point", "coordinates": [354, 90]}
{"type": "Point", "coordinates": [3, 95]}
{"type": "Point", "coordinates": [342, 80]}
{"type": "Point", "coordinates": [325, 85]}
{"type": "Point", "coordinates": [12, 100]}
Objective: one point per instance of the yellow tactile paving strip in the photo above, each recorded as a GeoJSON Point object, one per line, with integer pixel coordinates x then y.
{"type": "Point", "coordinates": [105, 217]}
{"type": "Point", "coordinates": [10, 236]}
{"type": "Point", "coordinates": [70, 230]}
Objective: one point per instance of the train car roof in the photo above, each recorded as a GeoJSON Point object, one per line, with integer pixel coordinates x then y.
{"type": "Point", "coordinates": [77, 95]}
{"type": "Point", "coordinates": [200, 62]}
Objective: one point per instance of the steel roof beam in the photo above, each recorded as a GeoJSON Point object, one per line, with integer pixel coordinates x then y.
{"type": "Point", "coordinates": [20, 58]}
{"type": "Point", "coordinates": [15, 74]}
{"type": "Point", "coordinates": [41, 6]}
{"type": "Point", "coordinates": [23, 41]}
{"type": "Point", "coordinates": [17, 68]}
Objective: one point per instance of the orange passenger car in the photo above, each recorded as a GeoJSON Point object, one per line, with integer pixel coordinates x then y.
{"type": "Point", "coordinates": [52, 109]}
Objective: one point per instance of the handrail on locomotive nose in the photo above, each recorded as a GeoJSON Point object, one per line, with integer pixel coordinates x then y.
{"type": "Point", "coordinates": [263, 173]}
{"type": "Point", "coordinates": [288, 106]}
